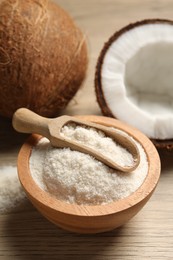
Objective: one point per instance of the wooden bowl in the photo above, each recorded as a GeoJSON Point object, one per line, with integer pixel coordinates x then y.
{"type": "Point", "coordinates": [90, 219]}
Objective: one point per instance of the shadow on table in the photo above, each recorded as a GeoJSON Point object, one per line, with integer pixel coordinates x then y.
{"type": "Point", "coordinates": [31, 236]}
{"type": "Point", "coordinates": [9, 138]}
{"type": "Point", "coordinates": [166, 158]}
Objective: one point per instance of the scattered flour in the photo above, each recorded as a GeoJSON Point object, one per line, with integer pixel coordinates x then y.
{"type": "Point", "coordinates": [75, 177]}
{"type": "Point", "coordinates": [11, 192]}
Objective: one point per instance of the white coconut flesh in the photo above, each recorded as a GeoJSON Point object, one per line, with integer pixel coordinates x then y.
{"type": "Point", "coordinates": [137, 79]}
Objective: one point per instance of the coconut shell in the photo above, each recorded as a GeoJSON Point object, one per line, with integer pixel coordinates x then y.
{"type": "Point", "coordinates": [163, 144]}
{"type": "Point", "coordinates": [160, 144]}
{"type": "Point", "coordinates": [43, 57]}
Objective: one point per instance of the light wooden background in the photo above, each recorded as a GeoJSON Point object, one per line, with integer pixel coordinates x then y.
{"type": "Point", "coordinates": [25, 234]}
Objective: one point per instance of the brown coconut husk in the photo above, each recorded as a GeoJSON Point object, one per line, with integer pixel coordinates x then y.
{"type": "Point", "coordinates": [43, 57]}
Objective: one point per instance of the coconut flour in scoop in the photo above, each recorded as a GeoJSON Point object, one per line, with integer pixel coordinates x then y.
{"type": "Point", "coordinates": [76, 177]}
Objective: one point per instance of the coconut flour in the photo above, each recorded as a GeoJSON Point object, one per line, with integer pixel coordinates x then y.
{"type": "Point", "coordinates": [98, 141]}
{"type": "Point", "coordinates": [75, 177]}
{"type": "Point", "coordinates": [12, 196]}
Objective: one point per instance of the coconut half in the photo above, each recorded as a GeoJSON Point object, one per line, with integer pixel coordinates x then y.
{"type": "Point", "coordinates": [134, 77]}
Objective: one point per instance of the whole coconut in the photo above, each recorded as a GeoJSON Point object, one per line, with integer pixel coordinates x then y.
{"type": "Point", "coordinates": [43, 57]}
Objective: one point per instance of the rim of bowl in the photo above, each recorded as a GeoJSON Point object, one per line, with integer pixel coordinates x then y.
{"type": "Point", "coordinates": [46, 199]}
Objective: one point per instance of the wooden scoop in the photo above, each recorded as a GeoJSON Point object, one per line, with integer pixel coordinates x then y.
{"type": "Point", "coordinates": [26, 121]}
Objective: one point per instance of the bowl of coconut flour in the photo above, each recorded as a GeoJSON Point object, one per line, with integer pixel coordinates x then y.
{"type": "Point", "coordinates": [79, 193]}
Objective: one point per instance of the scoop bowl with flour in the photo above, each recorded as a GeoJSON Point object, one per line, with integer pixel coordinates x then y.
{"type": "Point", "coordinates": [79, 193]}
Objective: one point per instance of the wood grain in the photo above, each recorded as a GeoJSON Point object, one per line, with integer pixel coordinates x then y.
{"type": "Point", "coordinates": [25, 234]}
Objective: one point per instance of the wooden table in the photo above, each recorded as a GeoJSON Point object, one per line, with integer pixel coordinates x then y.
{"type": "Point", "coordinates": [24, 233]}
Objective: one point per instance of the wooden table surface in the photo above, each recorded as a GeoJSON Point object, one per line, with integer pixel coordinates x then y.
{"type": "Point", "coordinates": [24, 233]}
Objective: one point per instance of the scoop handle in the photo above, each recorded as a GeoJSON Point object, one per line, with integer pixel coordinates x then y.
{"type": "Point", "coordinates": [26, 121]}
